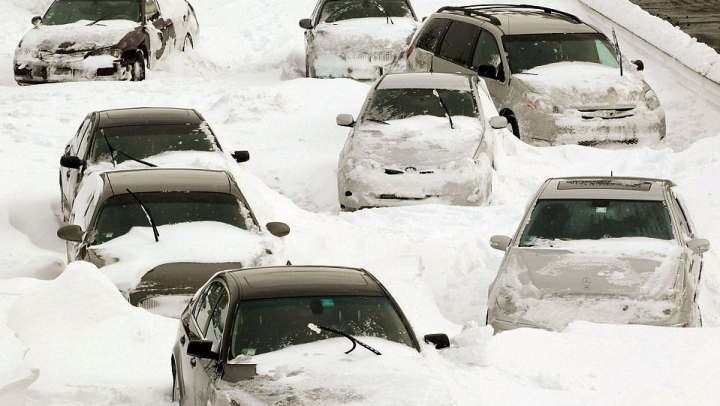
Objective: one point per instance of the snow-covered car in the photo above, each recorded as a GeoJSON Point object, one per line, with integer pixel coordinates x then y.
{"type": "Point", "coordinates": [102, 40]}
{"type": "Point", "coordinates": [419, 138]}
{"type": "Point", "coordinates": [605, 250]}
{"type": "Point", "coordinates": [359, 39]}
{"type": "Point", "coordinates": [557, 79]}
{"type": "Point", "coordinates": [152, 230]}
{"type": "Point", "coordinates": [245, 329]}
{"type": "Point", "coordinates": [109, 138]}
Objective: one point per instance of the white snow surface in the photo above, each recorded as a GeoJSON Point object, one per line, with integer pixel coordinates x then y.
{"type": "Point", "coordinates": [69, 338]}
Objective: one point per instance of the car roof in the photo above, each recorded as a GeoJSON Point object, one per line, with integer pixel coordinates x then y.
{"type": "Point", "coordinates": [425, 80]}
{"type": "Point", "coordinates": [518, 20]}
{"type": "Point", "coordinates": [615, 188]}
{"type": "Point", "coordinates": [166, 180]}
{"type": "Point", "coordinates": [303, 281]}
{"type": "Point", "coordinates": [147, 116]}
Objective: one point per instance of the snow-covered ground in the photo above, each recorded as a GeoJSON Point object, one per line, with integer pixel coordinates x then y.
{"type": "Point", "coordinates": [69, 338]}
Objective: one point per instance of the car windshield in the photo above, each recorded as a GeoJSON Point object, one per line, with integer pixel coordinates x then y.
{"type": "Point", "coordinates": [122, 212]}
{"type": "Point", "coordinates": [271, 324]}
{"type": "Point", "coordinates": [337, 10]}
{"type": "Point", "coordinates": [529, 51]}
{"type": "Point", "coordinates": [70, 11]}
{"type": "Point", "coordinates": [143, 141]}
{"type": "Point", "coordinates": [395, 104]}
{"type": "Point", "coordinates": [596, 219]}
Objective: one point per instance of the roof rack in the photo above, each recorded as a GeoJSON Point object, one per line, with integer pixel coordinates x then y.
{"type": "Point", "coordinates": [469, 11]}
{"type": "Point", "coordinates": [548, 10]}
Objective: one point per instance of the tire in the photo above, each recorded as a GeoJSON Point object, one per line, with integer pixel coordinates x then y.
{"type": "Point", "coordinates": [188, 43]}
{"type": "Point", "coordinates": [513, 124]}
{"type": "Point", "coordinates": [176, 391]}
{"type": "Point", "coordinates": [139, 67]}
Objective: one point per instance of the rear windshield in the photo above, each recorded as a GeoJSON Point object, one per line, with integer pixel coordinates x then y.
{"type": "Point", "coordinates": [597, 219]}
{"type": "Point", "coordinates": [142, 141]}
{"type": "Point", "coordinates": [337, 10]}
{"type": "Point", "coordinates": [70, 11]}
{"type": "Point", "coordinates": [271, 324]}
{"type": "Point", "coordinates": [529, 51]}
{"type": "Point", "coordinates": [122, 212]}
{"type": "Point", "coordinates": [395, 104]}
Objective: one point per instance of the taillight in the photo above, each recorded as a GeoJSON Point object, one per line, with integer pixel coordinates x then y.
{"type": "Point", "coordinates": [409, 51]}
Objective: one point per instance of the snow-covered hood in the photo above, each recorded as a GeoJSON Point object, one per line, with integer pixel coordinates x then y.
{"type": "Point", "coordinates": [77, 36]}
{"type": "Point", "coordinates": [582, 84]}
{"type": "Point", "coordinates": [320, 373]}
{"type": "Point", "coordinates": [364, 36]}
{"type": "Point", "coordinates": [629, 267]}
{"type": "Point", "coordinates": [421, 141]}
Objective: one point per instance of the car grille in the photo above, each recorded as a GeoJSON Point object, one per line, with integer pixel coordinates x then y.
{"type": "Point", "coordinates": [382, 57]}
{"type": "Point", "coordinates": [607, 114]}
{"type": "Point", "coordinates": [593, 143]}
{"type": "Point", "coordinates": [409, 169]}
{"type": "Point", "coordinates": [396, 197]}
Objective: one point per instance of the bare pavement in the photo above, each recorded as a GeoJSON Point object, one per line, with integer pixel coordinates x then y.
{"type": "Point", "coordinates": [697, 18]}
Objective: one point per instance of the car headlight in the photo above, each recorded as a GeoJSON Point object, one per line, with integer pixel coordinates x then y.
{"type": "Point", "coordinates": [114, 52]}
{"type": "Point", "coordinates": [651, 100]}
{"type": "Point", "coordinates": [505, 301]}
{"type": "Point", "coordinates": [541, 103]}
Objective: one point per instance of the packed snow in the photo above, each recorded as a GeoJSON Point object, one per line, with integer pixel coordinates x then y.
{"type": "Point", "coordinates": [70, 338]}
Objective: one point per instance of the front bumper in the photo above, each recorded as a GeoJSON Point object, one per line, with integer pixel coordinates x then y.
{"type": "Point", "coordinates": [361, 66]}
{"type": "Point", "coordinates": [56, 68]}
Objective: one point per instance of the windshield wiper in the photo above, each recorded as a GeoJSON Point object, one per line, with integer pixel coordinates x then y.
{"type": "Point", "coordinates": [375, 120]}
{"type": "Point", "coordinates": [147, 214]}
{"type": "Point", "coordinates": [447, 112]}
{"type": "Point", "coordinates": [97, 21]}
{"type": "Point", "coordinates": [387, 15]}
{"type": "Point", "coordinates": [113, 151]}
{"type": "Point", "coordinates": [617, 49]}
{"type": "Point", "coordinates": [355, 341]}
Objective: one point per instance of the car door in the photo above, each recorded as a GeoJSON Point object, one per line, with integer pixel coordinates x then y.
{"type": "Point", "coordinates": [70, 178]}
{"type": "Point", "coordinates": [191, 331]}
{"type": "Point", "coordinates": [208, 371]}
{"type": "Point", "coordinates": [456, 48]}
{"type": "Point", "coordinates": [163, 28]}
{"type": "Point", "coordinates": [695, 266]}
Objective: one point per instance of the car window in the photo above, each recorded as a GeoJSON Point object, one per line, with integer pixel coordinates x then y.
{"type": "Point", "coordinates": [152, 12]}
{"type": "Point", "coordinates": [395, 104]}
{"type": "Point", "coordinates": [79, 136]}
{"type": "Point", "coordinates": [683, 219]}
{"type": "Point", "coordinates": [338, 10]}
{"type": "Point", "coordinates": [432, 32]}
{"type": "Point", "coordinates": [271, 324]}
{"type": "Point", "coordinates": [486, 58]}
{"type": "Point", "coordinates": [596, 219]}
{"type": "Point", "coordinates": [121, 213]}
{"type": "Point", "coordinates": [216, 323]}
{"type": "Point", "coordinates": [529, 51]}
{"type": "Point", "coordinates": [458, 44]}
{"type": "Point", "coordinates": [143, 141]}
{"type": "Point", "coordinates": [206, 304]}
{"type": "Point", "coordinates": [70, 11]}
{"type": "Point", "coordinates": [85, 140]}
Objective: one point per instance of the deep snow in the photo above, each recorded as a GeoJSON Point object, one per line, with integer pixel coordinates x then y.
{"type": "Point", "coordinates": [81, 344]}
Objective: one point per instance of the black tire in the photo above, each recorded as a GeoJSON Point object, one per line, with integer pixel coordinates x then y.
{"type": "Point", "coordinates": [138, 68]}
{"type": "Point", "coordinates": [513, 124]}
{"type": "Point", "coordinates": [188, 43]}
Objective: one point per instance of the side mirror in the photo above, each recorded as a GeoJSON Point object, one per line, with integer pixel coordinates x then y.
{"type": "Point", "coordinates": [345, 120]}
{"type": "Point", "coordinates": [699, 245]}
{"type": "Point", "coordinates": [71, 233]}
{"type": "Point", "coordinates": [36, 20]}
{"type": "Point", "coordinates": [306, 23]}
{"type": "Point", "coordinates": [498, 122]}
{"type": "Point", "coordinates": [71, 162]}
{"type": "Point", "coordinates": [499, 242]}
{"type": "Point", "coordinates": [241, 156]}
{"type": "Point", "coordinates": [278, 229]}
{"type": "Point", "coordinates": [440, 341]}
{"type": "Point", "coordinates": [201, 349]}
{"type": "Point", "coordinates": [487, 71]}
{"type": "Point", "coordinates": [640, 65]}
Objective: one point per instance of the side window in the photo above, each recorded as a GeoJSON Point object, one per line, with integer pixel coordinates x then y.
{"type": "Point", "coordinates": [458, 44]}
{"type": "Point", "coordinates": [486, 58]}
{"type": "Point", "coordinates": [684, 223]}
{"type": "Point", "coordinates": [77, 139]}
{"type": "Point", "coordinates": [205, 305]}
{"type": "Point", "coordinates": [85, 140]}
{"type": "Point", "coordinates": [431, 34]}
{"type": "Point", "coordinates": [216, 326]}
{"type": "Point", "coordinates": [152, 12]}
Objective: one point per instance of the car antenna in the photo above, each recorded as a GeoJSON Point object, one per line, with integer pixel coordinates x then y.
{"type": "Point", "coordinates": [611, 174]}
{"type": "Point", "coordinates": [617, 49]}
{"type": "Point", "coordinates": [432, 58]}
{"type": "Point", "coordinates": [147, 214]}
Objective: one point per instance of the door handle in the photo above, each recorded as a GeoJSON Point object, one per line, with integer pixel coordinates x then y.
{"type": "Point", "coordinates": [182, 340]}
{"type": "Point", "coordinates": [193, 362]}
{"type": "Point", "coordinates": [67, 174]}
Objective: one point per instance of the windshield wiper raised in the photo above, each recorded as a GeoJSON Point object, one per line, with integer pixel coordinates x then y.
{"type": "Point", "coordinates": [355, 341]}
{"type": "Point", "coordinates": [617, 49]}
{"type": "Point", "coordinates": [387, 15]}
{"type": "Point", "coordinates": [113, 151]}
{"type": "Point", "coordinates": [447, 112]}
{"type": "Point", "coordinates": [147, 214]}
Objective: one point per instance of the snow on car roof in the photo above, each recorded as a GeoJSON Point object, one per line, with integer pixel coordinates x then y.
{"type": "Point", "coordinates": [518, 21]}
{"type": "Point", "coordinates": [147, 116]}
{"type": "Point", "coordinates": [605, 188]}
{"type": "Point", "coordinates": [425, 80]}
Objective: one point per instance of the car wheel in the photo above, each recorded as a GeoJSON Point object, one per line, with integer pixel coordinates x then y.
{"type": "Point", "coordinates": [138, 68]}
{"type": "Point", "coordinates": [176, 392]}
{"type": "Point", "coordinates": [188, 43]}
{"type": "Point", "coordinates": [513, 124]}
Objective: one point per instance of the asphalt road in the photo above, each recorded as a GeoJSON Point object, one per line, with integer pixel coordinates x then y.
{"type": "Point", "coordinates": [698, 18]}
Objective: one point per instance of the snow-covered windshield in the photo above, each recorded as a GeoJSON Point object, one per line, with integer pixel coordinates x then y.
{"type": "Point", "coordinates": [395, 104]}
{"type": "Point", "coordinates": [144, 141]}
{"type": "Point", "coordinates": [121, 213]}
{"type": "Point", "coordinates": [271, 324]}
{"type": "Point", "coordinates": [337, 10]}
{"type": "Point", "coordinates": [528, 51]}
{"type": "Point", "coordinates": [70, 11]}
{"type": "Point", "coordinates": [596, 219]}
